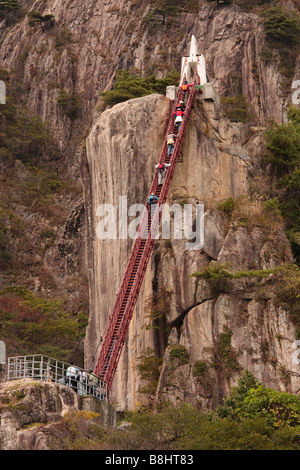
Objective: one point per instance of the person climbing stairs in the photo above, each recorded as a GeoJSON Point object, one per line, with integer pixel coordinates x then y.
{"type": "Point", "coordinates": [114, 335]}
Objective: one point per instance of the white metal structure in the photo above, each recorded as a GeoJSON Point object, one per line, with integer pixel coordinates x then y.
{"type": "Point", "coordinates": [189, 63]}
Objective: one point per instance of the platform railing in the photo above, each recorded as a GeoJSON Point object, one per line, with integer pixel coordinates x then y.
{"type": "Point", "coordinates": [47, 369]}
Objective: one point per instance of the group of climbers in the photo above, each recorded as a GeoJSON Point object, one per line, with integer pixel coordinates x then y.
{"type": "Point", "coordinates": [82, 382]}
{"type": "Point", "coordinates": [178, 117]}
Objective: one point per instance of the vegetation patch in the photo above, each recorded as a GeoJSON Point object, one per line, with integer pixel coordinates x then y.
{"type": "Point", "coordinates": [162, 12]}
{"type": "Point", "coordinates": [11, 227]}
{"type": "Point", "coordinates": [130, 85]}
{"type": "Point", "coordinates": [149, 370]}
{"type": "Point", "coordinates": [282, 28]}
{"type": "Point", "coordinates": [253, 212]}
{"type": "Point", "coordinates": [37, 325]}
{"type": "Point", "coordinates": [252, 417]}
{"type": "Point", "coordinates": [283, 156]}
{"type": "Point", "coordinates": [69, 104]}
{"type": "Point", "coordinates": [157, 309]}
{"type": "Point", "coordinates": [178, 355]}
{"type": "Point", "coordinates": [237, 109]}
{"type": "Point", "coordinates": [10, 11]}
{"type": "Point", "coordinates": [200, 371]}
{"type": "Point", "coordinates": [251, 400]}
{"type": "Point", "coordinates": [282, 25]}
{"type": "Point", "coordinates": [44, 21]}
{"type": "Point", "coordinates": [216, 271]}
{"type": "Point", "coordinates": [23, 134]}
{"type": "Point", "coordinates": [225, 358]}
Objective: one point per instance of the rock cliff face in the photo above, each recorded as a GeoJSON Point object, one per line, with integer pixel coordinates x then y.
{"type": "Point", "coordinates": [30, 412]}
{"type": "Point", "coordinates": [113, 154]}
{"type": "Point", "coordinates": [216, 165]}
{"type": "Point", "coordinates": [121, 155]}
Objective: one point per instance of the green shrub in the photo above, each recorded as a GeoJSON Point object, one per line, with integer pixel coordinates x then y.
{"type": "Point", "coordinates": [164, 10]}
{"type": "Point", "coordinates": [9, 5]}
{"type": "Point", "coordinates": [250, 400]}
{"type": "Point", "coordinates": [293, 115]}
{"type": "Point", "coordinates": [23, 134]}
{"type": "Point", "coordinates": [282, 28]}
{"type": "Point", "coordinates": [283, 145]}
{"type": "Point", "coordinates": [179, 355]}
{"type": "Point", "coordinates": [179, 427]}
{"type": "Point", "coordinates": [69, 104]}
{"type": "Point", "coordinates": [157, 308]}
{"type": "Point", "coordinates": [10, 11]}
{"type": "Point", "coordinates": [282, 25]}
{"type": "Point", "coordinates": [228, 206]}
{"type": "Point", "coordinates": [272, 204]}
{"type": "Point", "coordinates": [279, 408]}
{"type": "Point", "coordinates": [226, 2]}
{"type": "Point", "coordinates": [225, 356]}
{"type": "Point", "coordinates": [236, 108]}
{"type": "Point", "coordinates": [160, 14]}
{"type": "Point", "coordinates": [11, 227]}
{"type": "Point", "coordinates": [251, 212]}
{"type": "Point", "coordinates": [216, 271]}
{"type": "Point", "coordinates": [283, 154]}
{"type": "Point", "coordinates": [285, 281]}
{"type": "Point", "coordinates": [149, 370]}
{"type": "Point", "coordinates": [199, 368]}
{"type": "Point", "coordinates": [128, 86]}
{"type": "Point", "coordinates": [45, 21]}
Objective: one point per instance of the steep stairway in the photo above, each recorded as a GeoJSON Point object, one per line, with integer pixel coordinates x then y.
{"type": "Point", "coordinates": [117, 325]}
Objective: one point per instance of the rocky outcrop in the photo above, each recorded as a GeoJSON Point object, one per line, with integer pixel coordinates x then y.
{"type": "Point", "coordinates": [30, 411]}
{"type": "Point", "coordinates": [238, 325]}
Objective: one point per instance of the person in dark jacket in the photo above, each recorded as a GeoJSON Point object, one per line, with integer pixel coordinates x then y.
{"type": "Point", "coordinates": [181, 105]}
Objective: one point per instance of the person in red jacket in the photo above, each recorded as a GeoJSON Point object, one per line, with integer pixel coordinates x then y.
{"type": "Point", "coordinates": [178, 117]}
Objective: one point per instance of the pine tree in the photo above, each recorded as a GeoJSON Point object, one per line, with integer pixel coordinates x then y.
{"type": "Point", "coordinates": [36, 18]}
{"type": "Point", "coordinates": [9, 5]}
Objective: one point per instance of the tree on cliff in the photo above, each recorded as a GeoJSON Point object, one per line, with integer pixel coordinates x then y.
{"type": "Point", "coordinates": [45, 21]}
{"type": "Point", "coordinates": [9, 5]}
{"type": "Point", "coordinates": [162, 9]}
{"type": "Point", "coordinates": [282, 25]}
{"type": "Point", "coordinates": [9, 10]}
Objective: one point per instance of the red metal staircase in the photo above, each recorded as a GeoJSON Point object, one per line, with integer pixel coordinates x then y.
{"type": "Point", "coordinates": [116, 329]}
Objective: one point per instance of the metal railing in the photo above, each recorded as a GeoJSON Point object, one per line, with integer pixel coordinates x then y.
{"type": "Point", "coordinates": [47, 369]}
